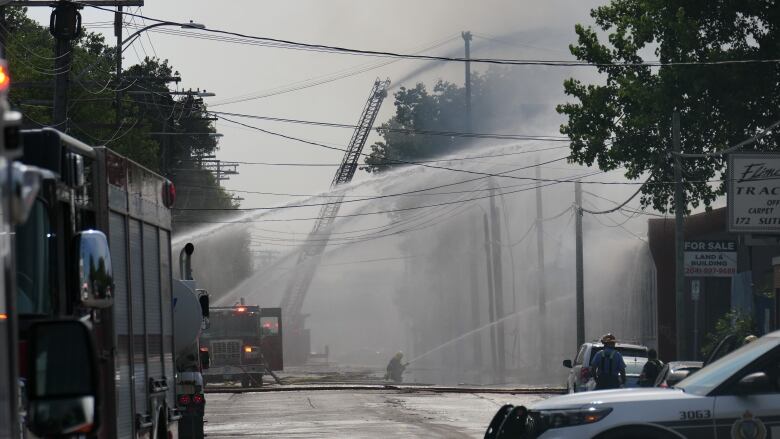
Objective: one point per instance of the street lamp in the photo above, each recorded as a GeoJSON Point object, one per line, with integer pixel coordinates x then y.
{"type": "Point", "coordinates": [190, 25]}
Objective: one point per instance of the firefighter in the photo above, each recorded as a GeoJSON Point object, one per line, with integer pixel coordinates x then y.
{"type": "Point", "coordinates": [651, 369]}
{"type": "Point", "coordinates": [395, 368]}
{"type": "Point", "coordinates": [609, 365]}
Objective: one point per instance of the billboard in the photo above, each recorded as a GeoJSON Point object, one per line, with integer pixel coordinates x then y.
{"type": "Point", "coordinates": [710, 258]}
{"type": "Point", "coordinates": [754, 193]}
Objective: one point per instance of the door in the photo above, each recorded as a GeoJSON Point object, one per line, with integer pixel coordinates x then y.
{"type": "Point", "coordinates": [756, 414]}
{"type": "Point", "coordinates": [271, 337]}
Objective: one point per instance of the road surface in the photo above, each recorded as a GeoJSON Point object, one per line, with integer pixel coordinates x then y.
{"type": "Point", "coordinates": [354, 413]}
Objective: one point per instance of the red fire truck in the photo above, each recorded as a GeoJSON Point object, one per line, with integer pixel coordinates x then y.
{"type": "Point", "coordinates": [244, 342]}
{"type": "Point", "coordinates": [95, 252]}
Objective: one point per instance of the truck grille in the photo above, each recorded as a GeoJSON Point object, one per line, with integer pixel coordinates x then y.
{"type": "Point", "coordinates": [226, 352]}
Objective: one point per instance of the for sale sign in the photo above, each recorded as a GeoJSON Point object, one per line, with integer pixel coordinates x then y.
{"type": "Point", "coordinates": [710, 258]}
{"type": "Point", "coordinates": [754, 193]}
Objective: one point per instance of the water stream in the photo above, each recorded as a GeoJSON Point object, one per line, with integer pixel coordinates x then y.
{"type": "Point", "coordinates": [407, 270]}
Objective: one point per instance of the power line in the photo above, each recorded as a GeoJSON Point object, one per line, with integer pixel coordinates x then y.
{"type": "Point", "coordinates": [377, 197]}
{"type": "Point", "coordinates": [519, 62]}
{"type": "Point", "coordinates": [486, 174]}
{"type": "Point", "coordinates": [403, 130]}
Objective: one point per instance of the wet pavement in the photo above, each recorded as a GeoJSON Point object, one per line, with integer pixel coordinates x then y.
{"type": "Point", "coordinates": [354, 413]}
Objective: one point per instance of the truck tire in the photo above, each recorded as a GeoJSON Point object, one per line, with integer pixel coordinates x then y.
{"type": "Point", "coordinates": [257, 379]}
{"type": "Point", "coordinates": [245, 382]}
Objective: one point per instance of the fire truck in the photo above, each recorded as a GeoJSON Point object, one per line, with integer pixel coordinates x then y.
{"type": "Point", "coordinates": [19, 186]}
{"type": "Point", "coordinates": [244, 342]}
{"type": "Point", "coordinates": [93, 296]}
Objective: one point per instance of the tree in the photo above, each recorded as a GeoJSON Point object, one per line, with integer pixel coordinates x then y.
{"type": "Point", "coordinates": [501, 98]}
{"type": "Point", "coordinates": [418, 110]}
{"type": "Point", "coordinates": [733, 323]}
{"type": "Point", "coordinates": [625, 121]}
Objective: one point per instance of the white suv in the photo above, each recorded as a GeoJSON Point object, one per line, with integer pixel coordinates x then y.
{"type": "Point", "coordinates": [580, 377]}
{"type": "Point", "coordinates": [737, 396]}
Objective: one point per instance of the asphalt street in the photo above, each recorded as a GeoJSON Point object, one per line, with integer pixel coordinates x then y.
{"type": "Point", "coordinates": [400, 413]}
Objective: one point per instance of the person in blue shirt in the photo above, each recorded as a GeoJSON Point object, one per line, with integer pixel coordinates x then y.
{"type": "Point", "coordinates": [608, 365]}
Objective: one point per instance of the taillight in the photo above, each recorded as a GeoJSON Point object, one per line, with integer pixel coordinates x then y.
{"type": "Point", "coordinates": [185, 400]}
{"type": "Point", "coordinates": [584, 373]}
{"type": "Point", "coordinates": [198, 399]}
{"type": "Point", "coordinates": [248, 349]}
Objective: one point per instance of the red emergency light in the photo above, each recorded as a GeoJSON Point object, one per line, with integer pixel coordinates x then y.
{"type": "Point", "coordinates": [168, 194]}
{"type": "Point", "coordinates": [5, 77]}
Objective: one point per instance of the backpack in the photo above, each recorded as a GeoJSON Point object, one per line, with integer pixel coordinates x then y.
{"type": "Point", "coordinates": [603, 375]}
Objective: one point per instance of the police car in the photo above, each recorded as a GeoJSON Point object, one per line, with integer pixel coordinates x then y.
{"type": "Point", "coordinates": [736, 397]}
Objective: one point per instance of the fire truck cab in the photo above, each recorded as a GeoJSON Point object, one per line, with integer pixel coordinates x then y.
{"type": "Point", "coordinates": [244, 342]}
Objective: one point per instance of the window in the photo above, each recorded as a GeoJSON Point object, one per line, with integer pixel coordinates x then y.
{"type": "Point", "coordinates": [707, 379]}
{"type": "Point", "coordinates": [269, 325]}
{"type": "Point", "coordinates": [580, 356]}
{"type": "Point", "coordinates": [32, 262]}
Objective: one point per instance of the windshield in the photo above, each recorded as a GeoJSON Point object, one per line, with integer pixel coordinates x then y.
{"type": "Point", "coordinates": [707, 379]}
{"type": "Point", "coordinates": [32, 262]}
{"type": "Point", "coordinates": [225, 324]}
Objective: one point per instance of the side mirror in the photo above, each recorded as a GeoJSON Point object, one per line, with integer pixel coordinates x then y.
{"type": "Point", "coordinates": [514, 424]}
{"type": "Point", "coordinates": [752, 384]}
{"type": "Point", "coordinates": [62, 384]}
{"type": "Point", "coordinates": [25, 184]}
{"type": "Point", "coordinates": [95, 275]}
{"type": "Point", "coordinates": [204, 304]}
{"type": "Point", "coordinates": [567, 363]}
{"type": "Point", "coordinates": [498, 419]}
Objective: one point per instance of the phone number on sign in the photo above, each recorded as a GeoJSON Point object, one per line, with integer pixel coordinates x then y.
{"type": "Point", "coordinates": [711, 270]}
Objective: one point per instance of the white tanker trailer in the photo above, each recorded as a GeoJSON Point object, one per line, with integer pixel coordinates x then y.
{"type": "Point", "coordinates": [190, 316]}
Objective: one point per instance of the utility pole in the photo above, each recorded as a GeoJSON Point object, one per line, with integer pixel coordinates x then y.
{"type": "Point", "coordinates": [540, 240]}
{"type": "Point", "coordinates": [65, 26]}
{"type": "Point", "coordinates": [679, 211]}
{"type": "Point", "coordinates": [540, 272]}
{"type": "Point", "coordinates": [467, 39]}
{"type": "Point", "coordinates": [473, 278]}
{"type": "Point", "coordinates": [580, 265]}
{"type": "Point", "coordinates": [491, 295]}
{"type": "Point", "coordinates": [3, 32]}
{"type": "Point", "coordinates": [498, 284]}
{"type": "Point", "coordinates": [118, 35]}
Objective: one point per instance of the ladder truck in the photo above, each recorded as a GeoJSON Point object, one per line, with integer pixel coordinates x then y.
{"type": "Point", "coordinates": [297, 344]}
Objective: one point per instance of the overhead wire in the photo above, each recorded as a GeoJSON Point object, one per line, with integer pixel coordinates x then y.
{"type": "Point", "coordinates": [402, 130]}
{"type": "Point", "coordinates": [521, 62]}
{"type": "Point", "coordinates": [407, 162]}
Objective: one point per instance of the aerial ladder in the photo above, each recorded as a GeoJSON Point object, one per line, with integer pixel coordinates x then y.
{"type": "Point", "coordinates": [297, 338]}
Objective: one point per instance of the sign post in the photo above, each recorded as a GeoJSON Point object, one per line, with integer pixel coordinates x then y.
{"type": "Point", "coordinates": [754, 193]}
{"type": "Point", "coordinates": [695, 293]}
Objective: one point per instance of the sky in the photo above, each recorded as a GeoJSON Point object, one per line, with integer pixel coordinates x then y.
{"type": "Point", "coordinates": [502, 28]}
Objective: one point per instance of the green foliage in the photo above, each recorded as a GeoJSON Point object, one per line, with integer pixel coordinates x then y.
{"type": "Point", "coordinates": [733, 322]}
{"type": "Point", "coordinates": [625, 121]}
{"type": "Point", "coordinates": [496, 104]}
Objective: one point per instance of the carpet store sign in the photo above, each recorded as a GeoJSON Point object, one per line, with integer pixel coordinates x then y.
{"type": "Point", "coordinates": [754, 193]}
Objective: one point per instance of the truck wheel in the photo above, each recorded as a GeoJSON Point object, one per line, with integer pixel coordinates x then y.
{"type": "Point", "coordinates": [245, 382]}
{"type": "Point", "coordinates": [257, 379]}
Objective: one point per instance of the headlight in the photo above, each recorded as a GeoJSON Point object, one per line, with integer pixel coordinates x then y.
{"type": "Point", "coordinates": [571, 417]}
